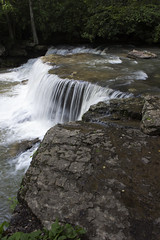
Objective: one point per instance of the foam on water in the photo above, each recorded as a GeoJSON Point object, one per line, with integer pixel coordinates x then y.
{"type": "Point", "coordinates": [106, 60]}
{"type": "Point", "coordinates": [128, 77]}
{"type": "Point", "coordinates": [72, 50]}
{"type": "Point", "coordinates": [22, 161]}
{"type": "Point", "coordinates": [59, 100]}
{"type": "Point", "coordinates": [134, 76]}
{"type": "Point", "coordinates": [112, 59]}
{"type": "Point", "coordinates": [16, 110]}
{"type": "Point", "coordinates": [140, 75]}
{"type": "Point", "coordinates": [17, 74]}
{"type": "Point", "coordinates": [27, 111]}
{"type": "Point", "coordinates": [45, 101]}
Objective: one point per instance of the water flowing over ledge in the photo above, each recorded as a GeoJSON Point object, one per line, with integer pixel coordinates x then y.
{"type": "Point", "coordinates": [32, 100]}
{"type": "Point", "coordinates": [62, 100]}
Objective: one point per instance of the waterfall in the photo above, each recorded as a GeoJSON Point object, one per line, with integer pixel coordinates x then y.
{"type": "Point", "coordinates": [62, 100]}
{"type": "Point", "coordinates": [29, 110]}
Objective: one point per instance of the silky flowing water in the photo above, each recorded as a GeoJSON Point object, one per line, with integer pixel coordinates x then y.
{"type": "Point", "coordinates": [32, 100]}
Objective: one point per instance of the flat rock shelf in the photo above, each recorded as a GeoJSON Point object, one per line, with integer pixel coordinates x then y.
{"type": "Point", "coordinates": [101, 173]}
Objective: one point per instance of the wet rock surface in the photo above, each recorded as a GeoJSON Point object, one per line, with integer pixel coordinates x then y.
{"type": "Point", "coordinates": [23, 220]}
{"type": "Point", "coordinates": [151, 115]}
{"type": "Point", "coordinates": [103, 176]}
{"type": "Point", "coordinates": [110, 68]}
{"type": "Point", "coordinates": [116, 109]}
{"type": "Point", "coordinates": [80, 66]}
{"type": "Point", "coordinates": [17, 54]}
{"type": "Point", "coordinates": [141, 54]}
{"type": "Point", "coordinates": [22, 146]}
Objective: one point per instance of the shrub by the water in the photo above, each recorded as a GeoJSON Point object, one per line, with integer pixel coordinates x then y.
{"type": "Point", "coordinates": [57, 232]}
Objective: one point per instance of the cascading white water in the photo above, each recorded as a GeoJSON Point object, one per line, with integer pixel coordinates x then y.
{"type": "Point", "coordinates": [31, 109]}
{"type": "Point", "coordinates": [28, 110]}
{"type": "Point", "coordinates": [60, 100]}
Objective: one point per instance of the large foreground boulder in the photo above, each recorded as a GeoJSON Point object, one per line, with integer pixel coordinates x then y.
{"type": "Point", "coordinates": [105, 179]}
{"type": "Point", "coordinates": [103, 176]}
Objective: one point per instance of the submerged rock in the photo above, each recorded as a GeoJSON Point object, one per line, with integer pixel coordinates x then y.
{"type": "Point", "coordinates": [141, 54]}
{"type": "Point", "coordinates": [80, 66]}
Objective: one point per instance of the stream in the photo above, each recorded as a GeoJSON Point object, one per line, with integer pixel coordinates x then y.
{"type": "Point", "coordinates": [32, 99]}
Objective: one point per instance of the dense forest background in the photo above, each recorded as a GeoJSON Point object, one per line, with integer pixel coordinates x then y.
{"type": "Point", "coordinates": [72, 21]}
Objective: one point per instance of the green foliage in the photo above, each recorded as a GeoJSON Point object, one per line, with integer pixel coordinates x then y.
{"type": "Point", "coordinates": [57, 232]}
{"type": "Point", "coordinates": [156, 34]}
{"type": "Point", "coordinates": [60, 17]}
{"type": "Point", "coordinates": [13, 202]}
{"type": "Point", "coordinates": [34, 154]}
{"type": "Point", "coordinates": [139, 21]}
{"type": "Point", "coordinates": [37, 235]}
{"type": "Point", "coordinates": [62, 232]}
{"type": "Point", "coordinates": [84, 19]}
{"type": "Point", "coordinates": [3, 226]}
{"type": "Point", "coordinates": [6, 6]}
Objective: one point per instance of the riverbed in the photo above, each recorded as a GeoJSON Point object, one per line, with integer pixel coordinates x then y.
{"type": "Point", "coordinates": [25, 113]}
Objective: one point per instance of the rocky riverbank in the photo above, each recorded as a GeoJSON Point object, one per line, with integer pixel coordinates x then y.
{"type": "Point", "coordinates": [14, 55]}
{"type": "Point", "coordinates": [101, 173]}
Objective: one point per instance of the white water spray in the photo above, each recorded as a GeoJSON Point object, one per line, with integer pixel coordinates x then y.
{"type": "Point", "coordinates": [61, 100]}
{"type": "Point", "coordinates": [28, 110]}
{"type": "Point", "coordinates": [31, 109]}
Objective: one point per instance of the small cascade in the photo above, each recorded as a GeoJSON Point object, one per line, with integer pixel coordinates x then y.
{"type": "Point", "coordinates": [62, 100]}
{"type": "Point", "coordinates": [29, 108]}
{"type": "Point", "coordinates": [108, 58]}
{"type": "Point", "coordinates": [62, 50]}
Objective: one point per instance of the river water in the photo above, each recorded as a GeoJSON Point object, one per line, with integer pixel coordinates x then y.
{"type": "Point", "coordinates": [32, 100]}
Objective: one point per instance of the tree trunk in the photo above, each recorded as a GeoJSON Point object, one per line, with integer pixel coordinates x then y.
{"type": "Point", "coordinates": [11, 34]}
{"type": "Point", "coordinates": [34, 32]}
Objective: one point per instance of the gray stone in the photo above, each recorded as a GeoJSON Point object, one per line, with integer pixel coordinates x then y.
{"type": "Point", "coordinates": [116, 109]}
{"type": "Point", "coordinates": [103, 176]}
{"type": "Point", "coordinates": [17, 52]}
{"type": "Point", "coordinates": [41, 48]}
{"type": "Point", "coordinates": [94, 176]}
{"type": "Point", "coordinates": [151, 115]}
{"type": "Point", "coordinates": [22, 146]}
{"type": "Point", "coordinates": [141, 54]}
{"type": "Point", "coordinates": [2, 50]}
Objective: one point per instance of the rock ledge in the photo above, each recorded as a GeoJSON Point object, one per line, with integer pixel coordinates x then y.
{"type": "Point", "coordinates": [103, 176]}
